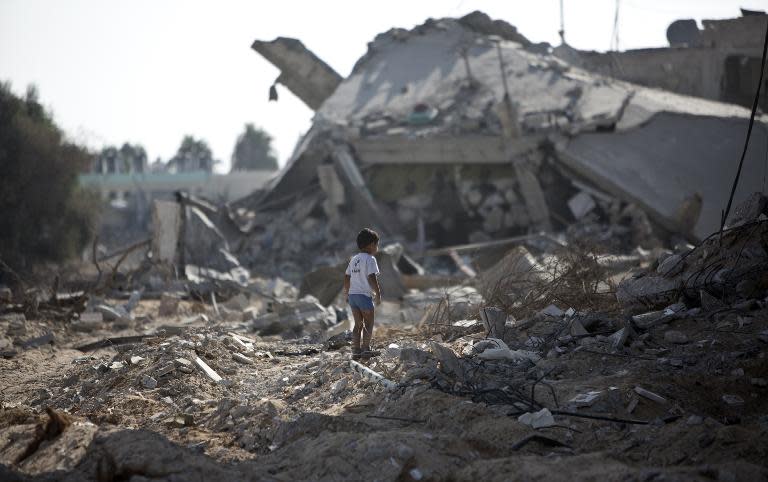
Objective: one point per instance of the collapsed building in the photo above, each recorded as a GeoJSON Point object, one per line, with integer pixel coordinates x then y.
{"type": "Point", "coordinates": [461, 130]}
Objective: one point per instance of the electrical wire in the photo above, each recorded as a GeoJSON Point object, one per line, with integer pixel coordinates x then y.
{"type": "Point", "coordinates": [749, 134]}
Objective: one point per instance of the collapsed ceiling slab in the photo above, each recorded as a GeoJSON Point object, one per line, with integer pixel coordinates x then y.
{"type": "Point", "coordinates": [669, 160]}
{"type": "Point", "coordinates": [303, 72]}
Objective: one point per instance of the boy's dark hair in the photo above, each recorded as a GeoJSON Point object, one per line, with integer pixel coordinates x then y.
{"type": "Point", "coordinates": [366, 237]}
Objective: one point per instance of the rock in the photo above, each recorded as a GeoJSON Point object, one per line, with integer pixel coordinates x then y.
{"type": "Point", "coordinates": [733, 400]}
{"type": "Point", "coordinates": [648, 291]}
{"type": "Point", "coordinates": [694, 420]}
{"type": "Point", "coordinates": [540, 419]}
{"type": "Point", "coordinates": [647, 320]}
{"type": "Point", "coordinates": [584, 399]}
{"type": "Point", "coordinates": [148, 382]}
{"type": "Point", "coordinates": [551, 311]}
{"type": "Point", "coordinates": [494, 320]}
{"type": "Point", "coordinates": [650, 395]}
{"type": "Point", "coordinates": [414, 355]}
{"type": "Point", "coordinates": [39, 341]}
{"type": "Point", "coordinates": [577, 329]}
{"type": "Point", "coordinates": [240, 358]}
{"type": "Point", "coordinates": [677, 337]}
{"type": "Point", "coordinates": [671, 266]}
{"type": "Point", "coordinates": [111, 314]}
{"type": "Point", "coordinates": [339, 386]}
{"type": "Point", "coordinates": [416, 474]}
{"type": "Point", "coordinates": [619, 339]}
{"type": "Point", "coordinates": [135, 360]}
{"type": "Point", "coordinates": [165, 370]}
{"type": "Point", "coordinates": [116, 365]}
{"type": "Point", "coordinates": [182, 362]}
{"type": "Point", "coordinates": [169, 305]}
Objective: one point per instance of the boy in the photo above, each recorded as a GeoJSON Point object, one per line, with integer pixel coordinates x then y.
{"type": "Point", "coordinates": [360, 286]}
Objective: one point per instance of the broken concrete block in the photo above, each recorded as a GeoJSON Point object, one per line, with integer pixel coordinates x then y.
{"type": "Point", "coordinates": [677, 337]}
{"type": "Point", "coordinates": [371, 375]}
{"type": "Point", "coordinates": [647, 320]}
{"type": "Point", "coordinates": [619, 339]}
{"type": "Point", "coordinates": [542, 418]}
{"type": "Point", "coordinates": [165, 370]}
{"type": "Point", "coordinates": [650, 395]}
{"type": "Point", "coordinates": [339, 386]}
{"type": "Point", "coordinates": [671, 266]}
{"type": "Point", "coordinates": [494, 320]}
{"type": "Point", "coordinates": [135, 360]}
{"type": "Point", "coordinates": [209, 372]}
{"type": "Point", "coordinates": [581, 204]}
{"type": "Point", "coordinates": [648, 292]}
{"type": "Point", "coordinates": [577, 329]}
{"type": "Point", "coordinates": [148, 382]}
{"type": "Point", "coordinates": [116, 365]}
{"type": "Point", "coordinates": [169, 305]}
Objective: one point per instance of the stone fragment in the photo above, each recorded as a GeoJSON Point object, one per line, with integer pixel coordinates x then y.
{"type": "Point", "coordinates": [647, 291]}
{"type": "Point", "coordinates": [584, 399]}
{"type": "Point", "coordinates": [165, 370]}
{"type": "Point", "coordinates": [647, 320]}
{"type": "Point", "coordinates": [182, 362]}
{"type": "Point", "coordinates": [339, 386]}
{"type": "Point", "coordinates": [694, 420]}
{"type": "Point", "coordinates": [135, 360]}
{"type": "Point", "coordinates": [577, 329]}
{"type": "Point", "coordinates": [671, 266]}
{"type": "Point", "coordinates": [733, 400]}
{"type": "Point", "coordinates": [677, 337]}
{"type": "Point", "coordinates": [240, 358]}
{"type": "Point", "coordinates": [148, 382]}
{"type": "Point", "coordinates": [39, 341]}
{"type": "Point", "coordinates": [116, 365]}
{"type": "Point", "coordinates": [650, 395]}
{"type": "Point", "coordinates": [540, 419]}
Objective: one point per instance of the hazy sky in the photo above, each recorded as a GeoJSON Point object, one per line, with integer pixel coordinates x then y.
{"type": "Point", "coordinates": [151, 71]}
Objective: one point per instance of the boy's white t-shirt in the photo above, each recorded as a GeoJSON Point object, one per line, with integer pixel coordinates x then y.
{"type": "Point", "coordinates": [360, 266]}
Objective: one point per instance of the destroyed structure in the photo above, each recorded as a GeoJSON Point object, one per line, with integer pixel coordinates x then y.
{"type": "Point", "coordinates": [557, 306]}
{"type": "Point", "coordinates": [720, 62]}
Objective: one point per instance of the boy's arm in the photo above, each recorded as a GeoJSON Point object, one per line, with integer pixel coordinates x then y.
{"type": "Point", "coordinates": [347, 282]}
{"type": "Point", "coordinates": [373, 282]}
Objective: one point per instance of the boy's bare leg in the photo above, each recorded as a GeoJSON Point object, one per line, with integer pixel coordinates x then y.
{"type": "Point", "coordinates": [368, 317]}
{"type": "Point", "coordinates": [356, 330]}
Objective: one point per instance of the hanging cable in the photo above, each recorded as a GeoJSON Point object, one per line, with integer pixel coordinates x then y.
{"type": "Point", "coordinates": [749, 133]}
{"type": "Point", "coordinates": [615, 33]}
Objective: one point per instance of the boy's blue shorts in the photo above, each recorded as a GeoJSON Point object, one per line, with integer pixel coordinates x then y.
{"type": "Point", "coordinates": [361, 302]}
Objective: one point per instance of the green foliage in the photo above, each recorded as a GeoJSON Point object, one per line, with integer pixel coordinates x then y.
{"type": "Point", "coordinates": [192, 155]}
{"type": "Point", "coordinates": [44, 214]}
{"type": "Point", "coordinates": [253, 151]}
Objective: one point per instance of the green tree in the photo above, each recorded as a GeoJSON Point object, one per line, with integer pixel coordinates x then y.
{"type": "Point", "coordinates": [192, 155]}
{"type": "Point", "coordinates": [127, 159]}
{"type": "Point", "coordinates": [253, 151]}
{"type": "Point", "coordinates": [44, 214]}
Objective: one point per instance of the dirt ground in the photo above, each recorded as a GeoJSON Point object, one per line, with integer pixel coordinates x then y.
{"type": "Point", "coordinates": [299, 412]}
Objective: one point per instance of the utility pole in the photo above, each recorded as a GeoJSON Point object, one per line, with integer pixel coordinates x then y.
{"type": "Point", "coordinates": [561, 32]}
